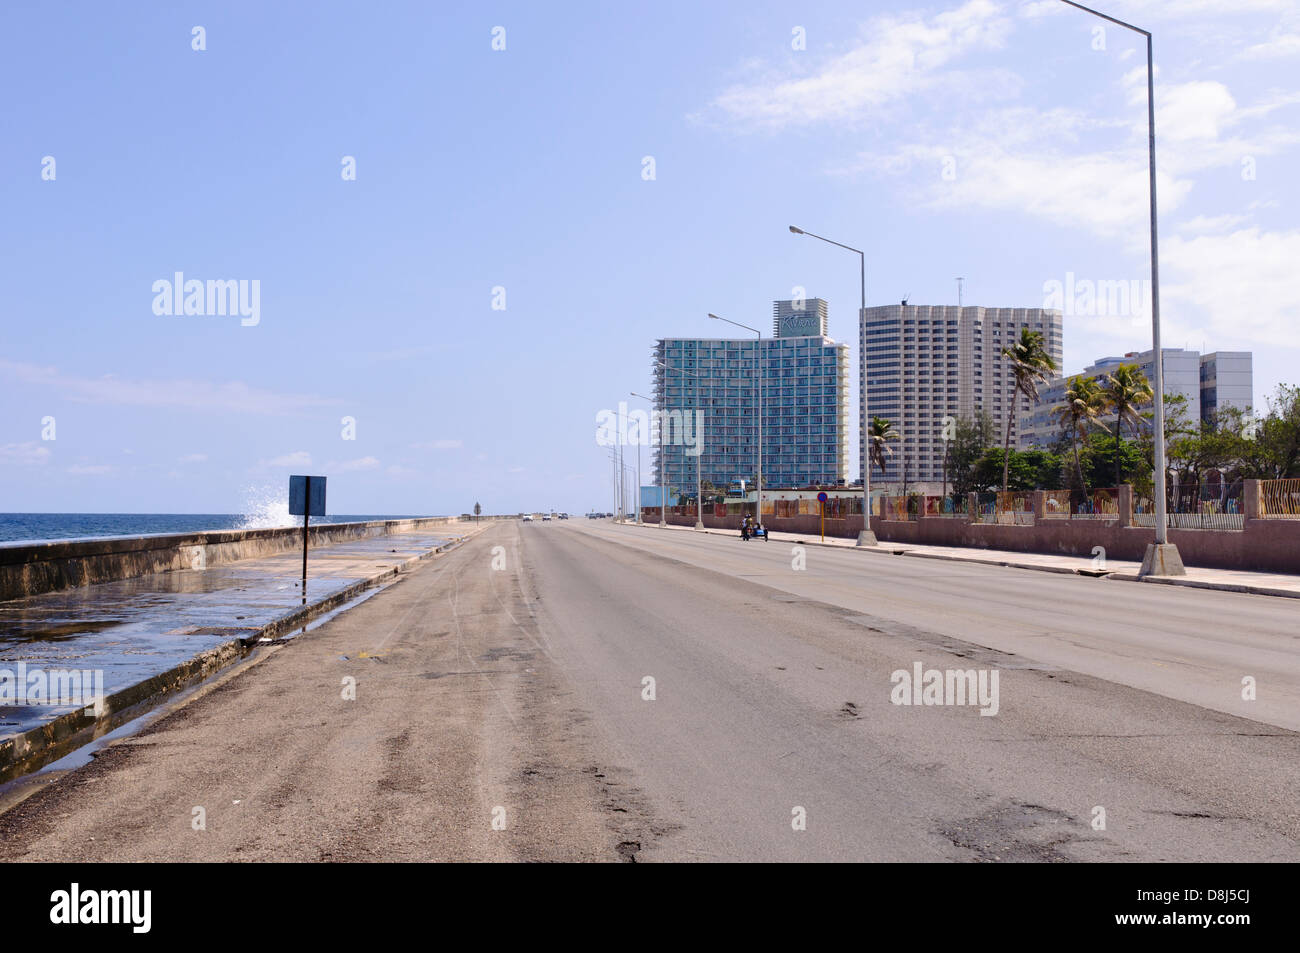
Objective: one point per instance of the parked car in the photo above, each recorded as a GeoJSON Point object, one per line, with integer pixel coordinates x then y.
{"type": "Point", "coordinates": [528, 517]}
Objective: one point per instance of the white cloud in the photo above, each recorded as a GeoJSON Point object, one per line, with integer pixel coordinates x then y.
{"type": "Point", "coordinates": [299, 458]}
{"type": "Point", "coordinates": [438, 445]}
{"type": "Point", "coordinates": [24, 454]}
{"type": "Point", "coordinates": [228, 396]}
{"type": "Point", "coordinates": [90, 470]}
{"type": "Point", "coordinates": [193, 458]}
{"type": "Point", "coordinates": [898, 57]}
{"type": "Point", "coordinates": [1279, 45]}
{"type": "Point", "coordinates": [1203, 224]}
{"type": "Point", "coordinates": [349, 466]}
{"type": "Point", "coordinates": [1242, 283]}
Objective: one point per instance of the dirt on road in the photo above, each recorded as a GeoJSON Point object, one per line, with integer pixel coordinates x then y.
{"type": "Point", "coordinates": [462, 742]}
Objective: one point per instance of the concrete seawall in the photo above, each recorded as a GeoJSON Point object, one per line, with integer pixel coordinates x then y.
{"type": "Point", "coordinates": [29, 750]}
{"type": "Point", "coordinates": [30, 569]}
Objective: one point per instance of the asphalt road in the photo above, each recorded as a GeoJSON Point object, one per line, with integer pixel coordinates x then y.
{"type": "Point", "coordinates": [524, 688]}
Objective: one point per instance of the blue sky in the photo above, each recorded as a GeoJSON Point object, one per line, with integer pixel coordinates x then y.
{"type": "Point", "coordinates": [1000, 141]}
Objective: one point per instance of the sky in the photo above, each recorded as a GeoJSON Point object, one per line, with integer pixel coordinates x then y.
{"type": "Point", "coordinates": [466, 225]}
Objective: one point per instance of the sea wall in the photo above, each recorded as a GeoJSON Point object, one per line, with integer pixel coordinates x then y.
{"type": "Point", "coordinates": [28, 569]}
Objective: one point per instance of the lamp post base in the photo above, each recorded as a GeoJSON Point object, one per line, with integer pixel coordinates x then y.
{"type": "Point", "coordinates": [1162, 559]}
{"type": "Point", "coordinates": [699, 524]}
{"type": "Point", "coordinates": [867, 538]}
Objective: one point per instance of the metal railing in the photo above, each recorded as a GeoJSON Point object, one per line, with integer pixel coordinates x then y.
{"type": "Point", "coordinates": [1196, 506]}
{"type": "Point", "coordinates": [945, 506]}
{"type": "Point", "coordinates": [1279, 499]}
{"type": "Point", "coordinates": [903, 509]}
{"type": "Point", "coordinates": [1078, 505]}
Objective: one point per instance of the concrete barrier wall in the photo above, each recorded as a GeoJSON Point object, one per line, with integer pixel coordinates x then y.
{"type": "Point", "coordinates": [1263, 545]}
{"type": "Point", "coordinates": [33, 568]}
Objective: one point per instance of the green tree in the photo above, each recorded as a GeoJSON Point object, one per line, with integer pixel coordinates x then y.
{"type": "Point", "coordinates": [972, 436]}
{"type": "Point", "coordinates": [477, 510]}
{"type": "Point", "coordinates": [879, 434]}
{"type": "Point", "coordinates": [1022, 470]}
{"type": "Point", "coordinates": [1082, 411]}
{"type": "Point", "coordinates": [1030, 365]}
{"type": "Point", "coordinates": [1097, 455]}
{"type": "Point", "coordinates": [1127, 390]}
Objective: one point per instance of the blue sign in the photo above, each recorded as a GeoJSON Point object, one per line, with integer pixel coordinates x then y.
{"type": "Point", "coordinates": [821, 497]}
{"type": "Point", "coordinates": [298, 496]}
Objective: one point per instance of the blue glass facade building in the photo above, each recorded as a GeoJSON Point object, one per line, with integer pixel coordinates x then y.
{"type": "Point", "coordinates": [805, 410]}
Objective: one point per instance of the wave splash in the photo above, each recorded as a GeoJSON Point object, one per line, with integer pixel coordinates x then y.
{"type": "Point", "coordinates": [267, 507]}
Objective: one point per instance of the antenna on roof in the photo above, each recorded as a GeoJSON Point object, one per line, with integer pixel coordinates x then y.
{"type": "Point", "coordinates": [959, 284]}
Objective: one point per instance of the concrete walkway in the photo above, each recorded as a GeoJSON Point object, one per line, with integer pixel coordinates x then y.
{"type": "Point", "coordinates": [1231, 580]}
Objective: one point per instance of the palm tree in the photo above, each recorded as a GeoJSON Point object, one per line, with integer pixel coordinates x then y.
{"type": "Point", "coordinates": [880, 431]}
{"type": "Point", "coordinates": [1126, 390]}
{"type": "Point", "coordinates": [1031, 365]}
{"type": "Point", "coordinates": [1085, 403]}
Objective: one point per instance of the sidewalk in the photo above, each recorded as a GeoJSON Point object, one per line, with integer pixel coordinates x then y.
{"type": "Point", "coordinates": [150, 636]}
{"type": "Point", "coordinates": [1231, 580]}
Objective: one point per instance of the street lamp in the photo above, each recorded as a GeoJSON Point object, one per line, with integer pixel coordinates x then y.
{"type": "Point", "coordinates": [638, 461]}
{"type": "Point", "coordinates": [1162, 558]}
{"type": "Point", "coordinates": [620, 491]}
{"type": "Point", "coordinates": [866, 537]}
{"type": "Point", "coordinates": [699, 440]}
{"type": "Point", "coordinates": [758, 357]}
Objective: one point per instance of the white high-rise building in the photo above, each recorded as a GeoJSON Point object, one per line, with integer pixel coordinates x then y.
{"type": "Point", "coordinates": [1206, 382]}
{"type": "Point", "coordinates": [921, 364]}
{"type": "Point", "coordinates": [1227, 380]}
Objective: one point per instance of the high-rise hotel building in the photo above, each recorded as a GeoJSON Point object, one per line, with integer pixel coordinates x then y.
{"type": "Point", "coordinates": [805, 404]}
{"type": "Point", "coordinates": [922, 363]}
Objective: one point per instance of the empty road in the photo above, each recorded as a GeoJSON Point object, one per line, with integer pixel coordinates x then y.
{"type": "Point", "coordinates": [587, 691]}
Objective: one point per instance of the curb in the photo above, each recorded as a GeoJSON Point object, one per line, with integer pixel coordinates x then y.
{"type": "Point", "coordinates": [33, 749]}
{"type": "Point", "coordinates": [885, 549]}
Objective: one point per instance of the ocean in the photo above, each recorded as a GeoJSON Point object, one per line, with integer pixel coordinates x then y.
{"type": "Point", "coordinates": [38, 527]}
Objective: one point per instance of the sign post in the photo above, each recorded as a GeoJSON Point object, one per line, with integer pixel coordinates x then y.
{"type": "Point", "coordinates": [306, 499]}
{"type": "Point", "coordinates": [821, 505]}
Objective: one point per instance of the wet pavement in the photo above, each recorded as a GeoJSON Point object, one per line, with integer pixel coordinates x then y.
{"type": "Point", "coordinates": [134, 629]}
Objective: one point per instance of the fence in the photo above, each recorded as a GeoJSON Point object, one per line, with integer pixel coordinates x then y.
{"type": "Point", "coordinates": [946, 506]}
{"type": "Point", "coordinates": [1196, 506]}
{"type": "Point", "coordinates": [1012, 508]}
{"type": "Point", "coordinates": [1081, 505]}
{"type": "Point", "coordinates": [904, 509]}
{"type": "Point", "coordinates": [1279, 499]}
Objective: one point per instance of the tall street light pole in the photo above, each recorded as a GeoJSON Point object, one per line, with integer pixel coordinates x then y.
{"type": "Point", "coordinates": [699, 442]}
{"type": "Point", "coordinates": [638, 463]}
{"type": "Point", "coordinates": [867, 536]}
{"type": "Point", "coordinates": [758, 355]}
{"type": "Point", "coordinates": [660, 474]}
{"type": "Point", "coordinates": [1162, 558]}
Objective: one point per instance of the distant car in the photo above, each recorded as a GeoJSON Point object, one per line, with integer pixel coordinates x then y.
{"type": "Point", "coordinates": [546, 518]}
{"type": "Point", "coordinates": [528, 517]}
{"type": "Point", "coordinates": [564, 516]}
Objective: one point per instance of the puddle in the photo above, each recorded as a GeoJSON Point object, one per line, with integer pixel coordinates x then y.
{"type": "Point", "coordinates": [134, 629]}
